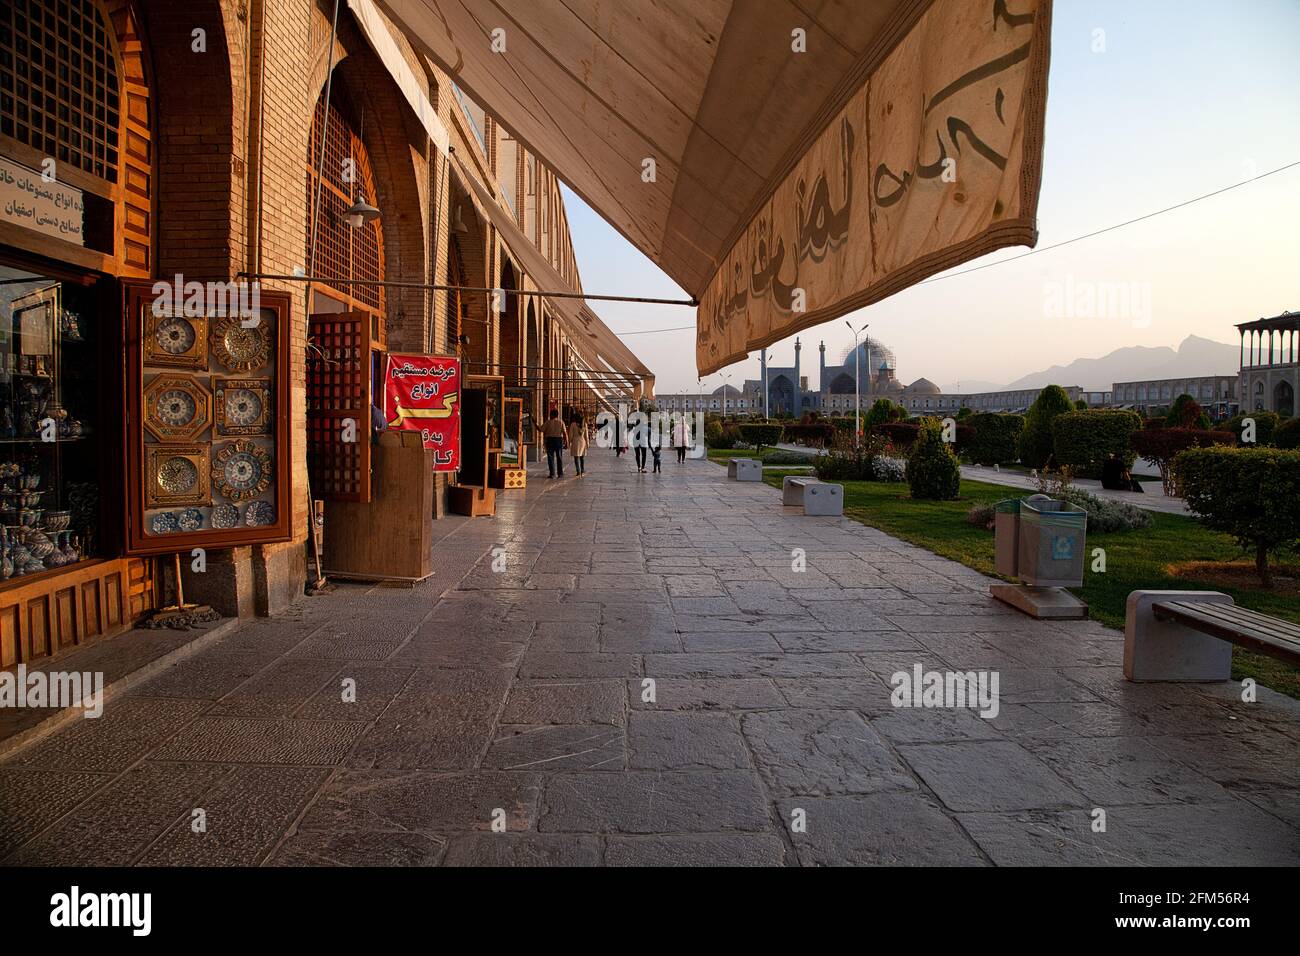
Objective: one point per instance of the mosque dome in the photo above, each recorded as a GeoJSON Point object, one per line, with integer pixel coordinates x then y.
{"type": "Point", "coordinates": [923, 386]}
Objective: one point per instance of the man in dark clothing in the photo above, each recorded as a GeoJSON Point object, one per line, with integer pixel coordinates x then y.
{"type": "Point", "coordinates": [553, 434]}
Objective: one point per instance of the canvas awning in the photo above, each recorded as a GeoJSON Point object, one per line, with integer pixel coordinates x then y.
{"type": "Point", "coordinates": [594, 341]}
{"type": "Point", "coordinates": [381, 41]}
{"type": "Point", "coordinates": [785, 161]}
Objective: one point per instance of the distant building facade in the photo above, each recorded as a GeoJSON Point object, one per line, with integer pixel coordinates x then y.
{"type": "Point", "coordinates": [1270, 364]}
{"type": "Point", "coordinates": [1217, 394]}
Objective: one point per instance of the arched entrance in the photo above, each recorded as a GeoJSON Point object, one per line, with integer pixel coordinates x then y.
{"type": "Point", "coordinates": [1284, 399]}
{"type": "Point", "coordinates": [781, 395]}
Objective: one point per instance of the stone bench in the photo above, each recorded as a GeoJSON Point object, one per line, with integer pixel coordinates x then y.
{"type": "Point", "coordinates": [814, 496]}
{"type": "Point", "coordinates": [1188, 636]}
{"type": "Point", "coordinates": [744, 469]}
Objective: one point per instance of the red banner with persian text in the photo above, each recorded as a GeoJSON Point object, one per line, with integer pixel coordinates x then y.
{"type": "Point", "coordinates": [422, 394]}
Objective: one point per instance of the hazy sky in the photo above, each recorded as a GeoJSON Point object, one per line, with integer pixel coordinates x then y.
{"type": "Point", "coordinates": [1188, 97]}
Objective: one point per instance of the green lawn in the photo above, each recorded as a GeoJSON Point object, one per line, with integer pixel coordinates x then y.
{"type": "Point", "coordinates": [1134, 559]}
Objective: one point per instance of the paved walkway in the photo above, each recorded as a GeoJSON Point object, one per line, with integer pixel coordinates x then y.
{"type": "Point", "coordinates": [522, 695]}
{"type": "Point", "coordinates": [1151, 498]}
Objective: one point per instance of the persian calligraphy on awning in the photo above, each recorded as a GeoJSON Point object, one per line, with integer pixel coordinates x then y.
{"type": "Point", "coordinates": [780, 188]}
{"type": "Point", "coordinates": [935, 161]}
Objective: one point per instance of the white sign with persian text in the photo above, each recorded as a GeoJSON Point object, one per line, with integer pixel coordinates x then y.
{"type": "Point", "coordinates": [43, 204]}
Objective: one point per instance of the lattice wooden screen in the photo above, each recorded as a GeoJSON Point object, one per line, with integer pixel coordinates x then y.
{"type": "Point", "coordinates": [338, 389]}
{"type": "Point", "coordinates": [344, 252]}
{"type": "Point", "coordinates": [60, 81]}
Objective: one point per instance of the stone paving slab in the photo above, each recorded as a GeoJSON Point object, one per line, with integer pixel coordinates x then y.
{"type": "Point", "coordinates": [650, 683]}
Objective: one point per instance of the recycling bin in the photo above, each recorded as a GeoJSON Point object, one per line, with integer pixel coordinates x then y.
{"type": "Point", "coordinates": [1051, 537]}
{"type": "Point", "coordinates": [1006, 536]}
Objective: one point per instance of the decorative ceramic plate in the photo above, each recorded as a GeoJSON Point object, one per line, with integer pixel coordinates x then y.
{"type": "Point", "coordinates": [165, 523]}
{"type": "Point", "coordinates": [177, 475]}
{"type": "Point", "coordinates": [241, 470]}
{"type": "Point", "coordinates": [191, 519]}
{"type": "Point", "coordinates": [225, 516]}
{"type": "Point", "coordinates": [238, 347]}
{"type": "Point", "coordinates": [259, 514]}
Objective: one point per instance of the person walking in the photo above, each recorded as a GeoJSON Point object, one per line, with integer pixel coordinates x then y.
{"type": "Point", "coordinates": [679, 439]}
{"type": "Point", "coordinates": [554, 436]}
{"type": "Point", "coordinates": [578, 444]}
{"type": "Point", "coordinates": [655, 452]}
{"type": "Point", "coordinates": [640, 445]}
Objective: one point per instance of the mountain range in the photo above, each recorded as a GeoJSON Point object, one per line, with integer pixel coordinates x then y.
{"type": "Point", "coordinates": [1194, 356]}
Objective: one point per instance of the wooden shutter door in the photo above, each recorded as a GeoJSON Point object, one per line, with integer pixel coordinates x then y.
{"type": "Point", "coordinates": [338, 389]}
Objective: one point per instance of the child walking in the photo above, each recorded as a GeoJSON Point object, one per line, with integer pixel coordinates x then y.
{"type": "Point", "coordinates": [655, 450]}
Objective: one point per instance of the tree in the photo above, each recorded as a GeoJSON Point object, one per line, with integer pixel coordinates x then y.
{"type": "Point", "coordinates": [1186, 412]}
{"type": "Point", "coordinates": [1252, 494]}
{"type": "Point", "coordinates": [1163, 445]}
{"type": "Point", "coordinates": [881, 412]}
{"type": "Point", "coordinates": [933, 471]}
{"type": "Point", "coordinates": [1036, 439]}
{"type": "Point", "coordinates": [1080, 405]}
{"type": "Point", "coordinates": [759, 435]}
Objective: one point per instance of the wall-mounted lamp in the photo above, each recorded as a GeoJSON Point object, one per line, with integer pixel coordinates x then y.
{"type": "Point", "coordinates": [458, 224]}
{"type": "Point", "coordinates": [360, 213]}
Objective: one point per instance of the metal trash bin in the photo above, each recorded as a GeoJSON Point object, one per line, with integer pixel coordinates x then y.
{"type": "Point", "coordinates": [1051, 542]}
{"type": "Point", "coordinates": [1006, 536]}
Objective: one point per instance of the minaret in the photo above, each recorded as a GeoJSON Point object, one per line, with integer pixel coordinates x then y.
{"type": "Point", "coordinates": [821, 372]}
{"type": "Point", "coordinates": [798, 393]}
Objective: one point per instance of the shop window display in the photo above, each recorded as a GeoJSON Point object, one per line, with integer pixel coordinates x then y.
{"type": "Point", "coordinates": [50, 435]}
{"type": "Point", "coordinates": [210, 385]}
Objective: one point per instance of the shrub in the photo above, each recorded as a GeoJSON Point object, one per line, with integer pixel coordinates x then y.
{"type": "Point", "coordinates": [1252, 494]}
{"type": "Point", "coordinates": [995, 439]}
{"type": "Point", "coordinates": [759, 435]}
{"type": "Point", "coordinates": [783, 457]}
{"type": "Point", "coordinates": [1036, 439]}
{"type": "Point", "coordinates": [1287, 435]}
{"type": "Point", "coordinates": [847, 460]}
{"type": "Point", "coordinates": [882, 410]}
{"type": "Point", "coordinates": [899, 434]}
{"type": "Point", "coordinates": [932, 469]}
{"type": "Point", "coordinates": [1265, 425]}
{"type": "Point", "coordinates": [885, 468]}
{"type": "Point", "coordinates": [715, 436]}
{"type": "Point", "coordinates": [1162, 445]}
{"type": "Point", "coordinates": [812, 434]}
{"type": "Point", "coordinates": [1187, 413]}
{"type": "Point", "coordinates": [1080, 405]}
{"type": "Point", "coordinates": [982, 514]}
{"type": "Point", "coordinates": [1085, 439]}
{"type": "Point", "coordinates": [1105, 514]}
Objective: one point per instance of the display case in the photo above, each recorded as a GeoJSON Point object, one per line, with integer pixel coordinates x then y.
{"type": "Point", "coordinates": [51, 462]}
{"type": "Point", "coordinates": [207, 412]}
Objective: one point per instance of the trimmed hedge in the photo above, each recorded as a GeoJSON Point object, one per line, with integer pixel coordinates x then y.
{"type": "Point", "coordinates": [1085, 439]}
{"type": "Point", "coordinates": [1252, 494]}
{"type": "Point", "coordinates": [1287, 435]}
{"type": "Point", "coordinates": [1036, 439]}
{"type": "Point", "coordinates": [1265, 425]}
{"type": "Point", "coordinates": [995, 439]}
{"type": "Point", "coordinates": [812, 434]}
{"type": "Point", "coordinates": [760, 435]}
{"type": "Point", "coordinates": [933, 471]}
{"type": "Point", "coordinates": [899, 434]}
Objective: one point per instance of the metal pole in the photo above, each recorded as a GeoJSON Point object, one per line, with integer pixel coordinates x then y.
{"type": "Point", "coordinates": [396, 284]}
